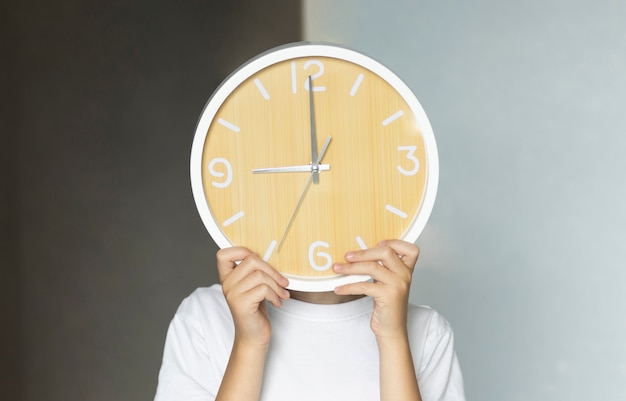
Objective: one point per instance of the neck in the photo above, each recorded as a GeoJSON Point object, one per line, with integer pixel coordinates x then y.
{"type": "Point", "coordinates": [324, 298]}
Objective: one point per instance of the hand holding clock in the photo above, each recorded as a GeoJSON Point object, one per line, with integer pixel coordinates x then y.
{"type": "Point", "coordinates": [246, 287]}
{"type": "Point", "coordinates": [391, 267]}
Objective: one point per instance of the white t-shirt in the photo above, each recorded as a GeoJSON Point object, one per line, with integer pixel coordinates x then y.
{"type": "Point", "coordinates": [317, 352]}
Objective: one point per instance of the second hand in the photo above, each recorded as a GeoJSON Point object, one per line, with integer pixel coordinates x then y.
{"type": "Point", "coordinates": [306, 188]}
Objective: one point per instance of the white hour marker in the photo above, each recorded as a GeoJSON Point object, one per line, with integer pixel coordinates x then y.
{"type": "Point", "coordinates": [294, 86]}
{"type": "Point", "coordinates": [393, 117]}
{"type": "Point", "coordinates": [361, 243]}
{"type": "Point", "coordinates": [261, 88]}
{"type": "Point", "coordinates": [396, 211]}
{"type": "Point", "coordinates": [228, 125]}
{"type": "Point", "coordinates": [233, 219]}
{"type": "Point", "coordinates": [269, 251]}
{"type": "Point", "coordinates": [356, 85]}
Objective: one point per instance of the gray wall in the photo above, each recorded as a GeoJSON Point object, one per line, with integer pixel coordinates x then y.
{"type": "Point", "coordinates": [524, 252]}
{"type": "Point", "coordinates": [100, 236]}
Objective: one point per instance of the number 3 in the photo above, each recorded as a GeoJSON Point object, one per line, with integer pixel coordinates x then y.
{"type": "Point", "coordinates": [411, 156]}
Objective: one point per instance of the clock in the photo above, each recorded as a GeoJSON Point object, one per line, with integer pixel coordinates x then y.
{"type": "Point", "coordinates": [308, 151]}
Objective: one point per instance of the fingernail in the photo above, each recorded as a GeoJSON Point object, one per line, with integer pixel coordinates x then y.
{"type": "Point", "coordinates": [382, 243]}
{"type": "Point", "coordinates": [337, 267]}
{"type": "Point", "coordinates": [350, 255]}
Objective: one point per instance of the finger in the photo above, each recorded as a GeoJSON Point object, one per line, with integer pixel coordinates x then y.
{"type": "Point", "coordinates": [253, 263]}
{"type": "Point", "coordinates": [249, 301]}
{"type": "Point", "coordinates": [389, 252]}
{"type": "Point", "coordinates": [375, 270]}
{"type": "Point", "coordinates": [361, 288]}
{"type": "Point", "coordinates": [250, 261]}
{"type": "Point", "coordinates": [258, 279]}
{"type": "Point", "coordinates": [265, 290]}
{"type": "Point", "coordinates": [407, 251]}
{"type": "Point", "coordinates": [227, 257]}
{"type": "Point", "coordinates": [385, 255]}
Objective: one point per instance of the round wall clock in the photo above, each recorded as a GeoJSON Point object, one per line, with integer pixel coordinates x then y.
{"type": "Point", "coordinates": [311, 150]}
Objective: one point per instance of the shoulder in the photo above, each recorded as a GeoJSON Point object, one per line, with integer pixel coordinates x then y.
{"type": "Point", "coordinates": [197, 347]}
{"type": "Point", "coordinates": [204, 303]}
{"type": "Point", "coordinates": [428, 331]}
{"type": "Point", "coordinates": [427, 320]}
{"type": "Point", "coordinates": [436, 363]}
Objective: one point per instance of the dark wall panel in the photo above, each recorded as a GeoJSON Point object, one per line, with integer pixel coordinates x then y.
{"type": "Point", "coordinates": [107, 238]}
{"type": "Point", "coordinates": [9, 272]}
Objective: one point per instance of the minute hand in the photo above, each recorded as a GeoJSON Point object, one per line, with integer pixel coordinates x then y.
{"type": "Point", "coordinates": [315, 158]}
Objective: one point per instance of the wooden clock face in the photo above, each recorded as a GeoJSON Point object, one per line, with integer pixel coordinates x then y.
{"type": "Point", "coordinates": [376, 178]}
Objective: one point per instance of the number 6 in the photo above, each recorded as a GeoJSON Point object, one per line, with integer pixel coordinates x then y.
{"type": "Point", "coordinates": [323, 255]}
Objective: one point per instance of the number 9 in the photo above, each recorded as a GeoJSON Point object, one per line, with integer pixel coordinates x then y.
{"type": "Point", "coordinates": [219, 174]}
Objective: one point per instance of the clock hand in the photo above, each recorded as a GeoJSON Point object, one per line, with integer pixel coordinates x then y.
{"type": "Point", "coordinates": [306, 189]}
{"type": "Point", "coordinates": [307, 168]}
{"type": "Point", "coordinates": [324, 148]}
{"type": "Point", "coordinates": [314, 156]}
{"type": "Point", "coordinates": [295, 211]}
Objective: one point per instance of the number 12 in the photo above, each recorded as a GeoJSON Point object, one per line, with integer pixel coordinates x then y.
{"type": "Point", "coordinates": [306, 66]}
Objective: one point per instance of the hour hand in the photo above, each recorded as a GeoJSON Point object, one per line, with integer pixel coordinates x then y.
{"type": "Point", "coordinates": [306, 168]}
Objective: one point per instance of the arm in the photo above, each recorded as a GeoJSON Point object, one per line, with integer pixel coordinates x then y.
{"type": "Point", "coordinates": [391, 267]}
{"type": "Point", "coordinates": [246, 288]}
{"type": "Point", "coordinates": [398, 380]}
